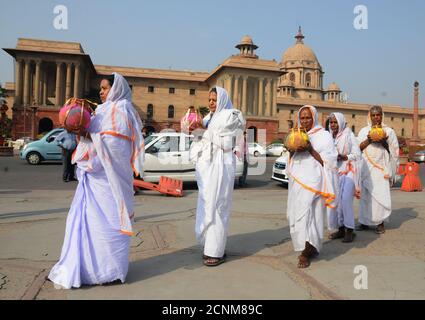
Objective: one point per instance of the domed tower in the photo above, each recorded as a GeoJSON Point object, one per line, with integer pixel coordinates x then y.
{"type": "Point", "coordinates": [333, 92]}
{"type": "Point", "coordinates": [303, 69]}
{"type": "Point", "coordinates": [247, 48]}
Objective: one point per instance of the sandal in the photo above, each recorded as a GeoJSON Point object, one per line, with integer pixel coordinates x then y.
{"type": "Point", "coordinates": [213, 262]}
{"type": "Point", "coordinates": [337, 235]}
{"type": "Point", "coordinates": [303, 262]}
{"type": "Point", "coordinates": [380, 229]}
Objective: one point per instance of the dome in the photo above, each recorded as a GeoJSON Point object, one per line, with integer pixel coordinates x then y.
{"type": "Point", "coordinates": [299, 51]}
{"type": "Point", "coordinates": [287, 83]}
{"type": "Point", "coordinates": [247, 41]}
{"type": "Point", "coordinates": [333, 87]}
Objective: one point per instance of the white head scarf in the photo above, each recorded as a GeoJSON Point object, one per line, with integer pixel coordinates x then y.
{"type": "Point", "coordinates": [315, 115]}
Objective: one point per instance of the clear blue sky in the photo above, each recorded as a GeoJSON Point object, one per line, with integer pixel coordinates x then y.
{"type": "Point", "coordinates": [377, 65]}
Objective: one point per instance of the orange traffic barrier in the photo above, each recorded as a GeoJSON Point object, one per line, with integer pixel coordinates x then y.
{"type": "Point", "coordinates": [411, 181]}
{"type": "Point", "coordinates": [166, 185]}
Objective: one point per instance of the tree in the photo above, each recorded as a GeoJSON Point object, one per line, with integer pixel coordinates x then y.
{"type": "Point", "coordinates": [5, 122]}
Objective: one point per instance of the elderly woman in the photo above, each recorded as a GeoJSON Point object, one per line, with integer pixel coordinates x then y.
{"type": "Point", "coordinates": [99, 223]}
{"type": "Point", "coordinates": [312, 186]}
{"type": "Point", "coordinates": [215, 173]}
{"type": "Point", "coordinates": [349, 170]}
{"type": "Point", "coordinates": [379, 170]}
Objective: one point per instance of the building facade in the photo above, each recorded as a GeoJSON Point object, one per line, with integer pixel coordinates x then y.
{"type": "Point", "coordinates": [269, 93]}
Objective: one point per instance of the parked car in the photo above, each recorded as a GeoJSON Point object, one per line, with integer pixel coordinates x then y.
{"type": "Point", "coordinates": [279, 169]}
{"type": "Point", "coordinates": [275, 149]}
{"type": "Point", "coordinates": [167, 154]}
{"type": "Point", "coordinates": [42, 150]}
{"type": "Point", "coordinates": [256, 149]}
{"type": "Point", "coordinates": [419, 156]}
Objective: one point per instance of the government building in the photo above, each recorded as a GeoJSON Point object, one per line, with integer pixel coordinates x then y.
{"type": "Point", "coordinates": [268, 92]}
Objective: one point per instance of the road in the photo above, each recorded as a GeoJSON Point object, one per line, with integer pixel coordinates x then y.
{"type": "Point", "coordinates": [19, 175]}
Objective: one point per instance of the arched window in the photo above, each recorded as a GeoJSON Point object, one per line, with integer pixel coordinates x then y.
{"type": "Point", "coordinates": [402, 132]}
{"type": "Point", "coordinates": [149, 112]}
{"type": "Point", "coordinates": [45, 125]}
{"type": "Point", "coordinates": [353, 128]}
{"type": "Point", "coordinates": [170, 112]}
{"type": "Point", "coordinates": [292, 77]}
{"type": "Point", "coordinates": [308, 80]}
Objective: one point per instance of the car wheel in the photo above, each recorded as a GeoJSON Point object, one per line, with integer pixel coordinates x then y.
{"type": "Point", "coordinates": [34, 158]}
{"type": "Point", "coordinates": [256, 154]}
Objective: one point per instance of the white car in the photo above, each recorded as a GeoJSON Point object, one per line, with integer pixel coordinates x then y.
{"type": "Point", "coordinates": [256, 149]}
{"type": "Point", "coordinates": [276, 149]}
{"type": "Point", "coordinates": [167, 154]}
{"type": "Point", "coordinates": [279, 169]}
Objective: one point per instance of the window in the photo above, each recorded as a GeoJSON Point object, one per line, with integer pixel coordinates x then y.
{"type": "Point", "coordinates": [170, 112]}
{"type": "Point", "coordinates": [192, 92]}
{"type": "Point", "coordinates": [308, 79]}
{"type": "Point", "coordinates": [292, 77]}
{"type": "Point", "coordinates": [165, 144]}
{"type": "Point", "coordinates": [353, 128]}
{"type": "Point", "coordinates": [151, 89]}
{"type": "Point", "coordinates": [131, 87]}
{"type": "Point", "coordinates": [402, 132]}
{"type": "Point", "coordinates": [292, 111]}
{"type": "Point", "coordinates": [353, 116]}
{"type": "Point", "coordinates": [392, 118]}
{"type": "Point", "coordinates": [402, 119]}
{"type": "Point", "coordinates": [149, 112]}
{"type": "Point", "coordinates": [171, 90]}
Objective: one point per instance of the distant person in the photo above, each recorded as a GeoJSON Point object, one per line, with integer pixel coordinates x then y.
{"type": "Point", "coordinates": [244, 153]}
{"type": "Point", "coordinates": [67, 141]}
{"type": "Point", "coordinates": [380, 166]}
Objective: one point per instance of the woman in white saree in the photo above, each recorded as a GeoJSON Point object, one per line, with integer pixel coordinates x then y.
{"type": "Point", "coordinates": [378, 173]}
{"type": "Point", "coordinates": [99, 223]}
{"type": "Point", "coordinates": [312, 186]}
{"type": "Point", "coordinates": [215, 174]}
{"type": "Point", "coordinates": [349, 170]}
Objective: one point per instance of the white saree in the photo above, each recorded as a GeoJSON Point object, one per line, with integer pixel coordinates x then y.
{"type": "Point", "coordinates": [312, 188]}
{"type": "Point", "coordinates": [97, 242]}
{"type": "Point", "coordinates": [215, 174]}
{"type": "Point", "coordinates": [378, 171]}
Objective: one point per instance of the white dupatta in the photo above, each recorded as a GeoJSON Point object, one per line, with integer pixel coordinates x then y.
{"type": "Point", "coordinates": [116, 132]}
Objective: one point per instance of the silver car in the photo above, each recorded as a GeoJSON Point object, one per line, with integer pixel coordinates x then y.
{"type": "Point", "coordinates": [419, 156]}
{"type": "Point", "coordinates": [167, 154]}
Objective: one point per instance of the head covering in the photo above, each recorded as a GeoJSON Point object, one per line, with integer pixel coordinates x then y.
{"type": "Point", "coordinates": [223, 100]}
{"type": "Point", "coordinates": [342, 124]}
{"type": "Point", "coordinates": [315, 115]}
{"type": "Point", "coordinates": [120, 89]}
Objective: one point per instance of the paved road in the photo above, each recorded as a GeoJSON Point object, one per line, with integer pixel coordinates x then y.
{"type": "Point", "coordinates": [18, 174]}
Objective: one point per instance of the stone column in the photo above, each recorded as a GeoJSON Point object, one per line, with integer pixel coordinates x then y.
{"type": "Point", "coordinates": [44, 101]}
{"type": "Point", "coordinates": [254, 110]}
{"type": "Point", "coordinates": [261, 108]}
{"type": "Point", "coordinates": [244, 95]}
{"type": "Point", "coordinates": [236, 93]}
{"type": "Point", "coordinates": [416, 112]}
{"type": "Point", "coordinates": [58, 83]}
{"type": "Point", "coordinates": [77, 80]}
{"type": "Point", "coordinates": [37, 81]}
{"type": "Point", "coordinates": [269, 98]}
{"type": "Point", "coordinates": [18, 82]}
{"type": "Point", "coordinates": [87, 82]}
{"type": "Point", "coordinates": [27, 82]}
{"type": "Point", "coordinates": [274, 90]}
{"type": "Point", "coordinates": [68, 80]}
